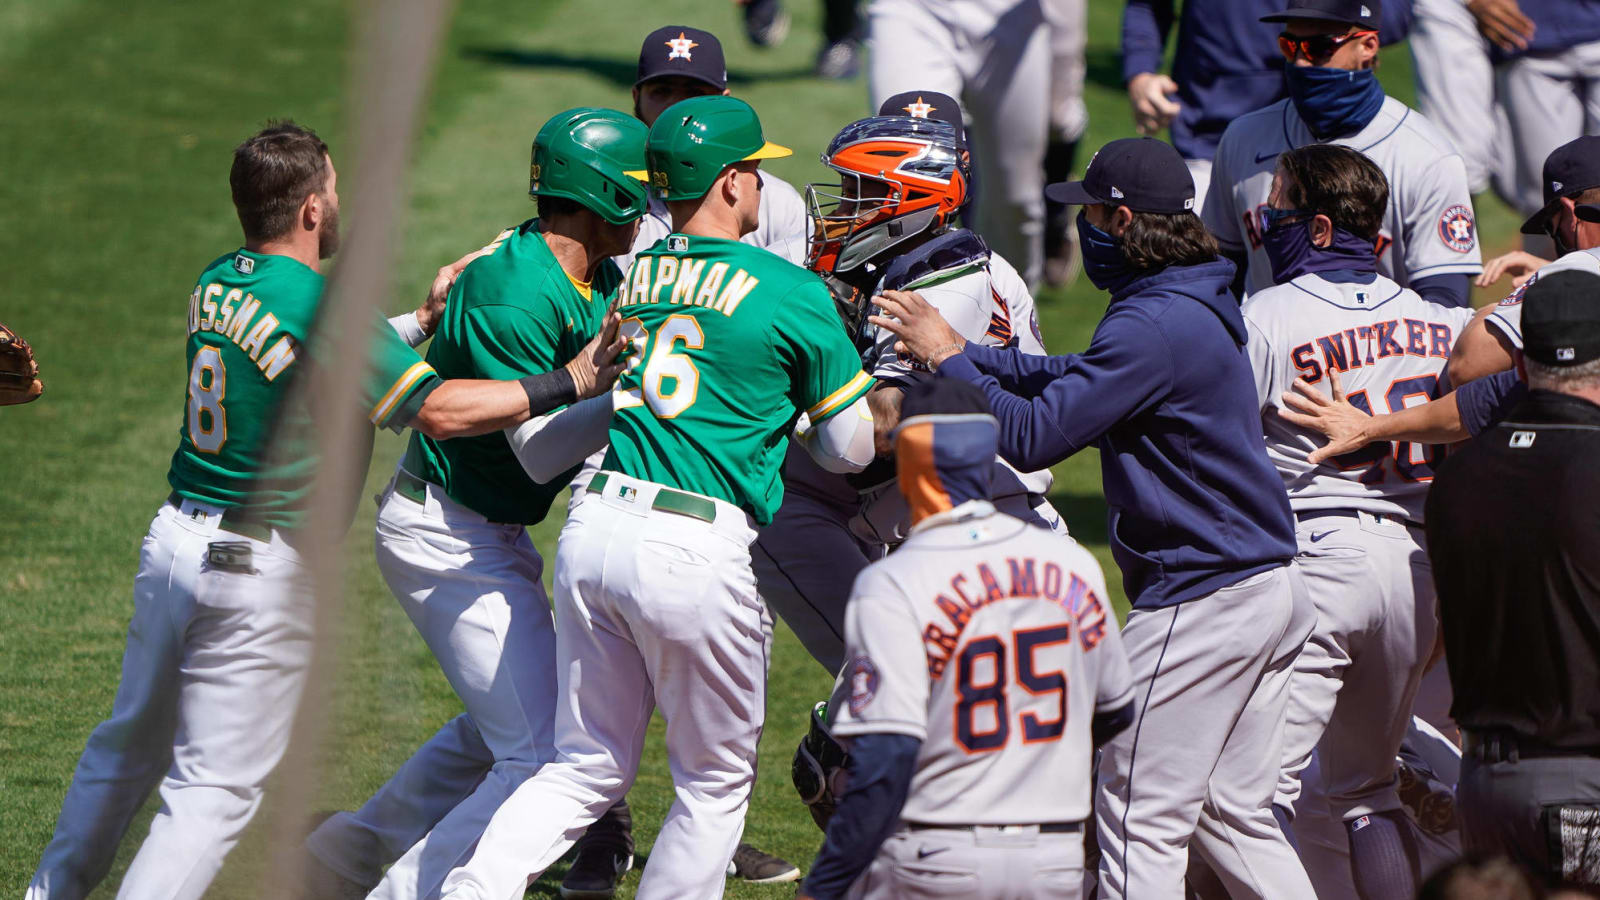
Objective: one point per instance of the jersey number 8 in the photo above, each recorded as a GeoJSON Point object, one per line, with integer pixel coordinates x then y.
{"type": "Point", "coordinates": [670, 382]}
{"type": "Point", "coordinates": [208, 383]}
{"type": "Point", "coordinates": [972, 696]}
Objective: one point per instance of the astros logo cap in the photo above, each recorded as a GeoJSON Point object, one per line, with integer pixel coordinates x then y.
{"type": "Point", "coordinates": [681, 50]}
{"type": "Point", "coordinates": [925, 105]}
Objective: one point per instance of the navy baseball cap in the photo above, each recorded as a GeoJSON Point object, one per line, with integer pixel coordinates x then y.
{"type": "Point", "coordinates": [926, 105]}
{"type": "Point", "coordinates": [1364, 13]}
{"type": "Point", "coordinates": [1569, 170]}
{"type": "Point", "coordinates": [1143, 174]}
{"type": "Point", "coordinates": [1561, 319]}
{"type": "Point", "coordinates": [681, 50]}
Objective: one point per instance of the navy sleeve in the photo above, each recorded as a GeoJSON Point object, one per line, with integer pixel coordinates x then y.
{"type": "Point", "coordinates": [1446, 290]}
{"type": "Point", "coordinates": [1484, 402]}
{"type": "Point", "coordinates": [1020, 373]}
{"type": "Point", "coordinates": [880, 767]}
{"type": "Point", "coordinates": [1126, 370]}
{"type": "Point", "coordinates": [1145, 24]}
{"type": "Point", "coordinates": [1107, 724]}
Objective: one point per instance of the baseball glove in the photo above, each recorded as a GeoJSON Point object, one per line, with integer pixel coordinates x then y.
{"type": "Point", "coordinates": [819, 768]}
{"type": "Point", "coordinates": [19, 373]}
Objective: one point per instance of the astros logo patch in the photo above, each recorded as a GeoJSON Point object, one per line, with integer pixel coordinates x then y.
{"type": "Point", "coordinates": [680, 47]}
{"type": "Point", "coordinates": [863, 684]}
{"type": "Point", "coordinates": [1455, 229]}
{"type": "Point", "coordinates": [919, 109]}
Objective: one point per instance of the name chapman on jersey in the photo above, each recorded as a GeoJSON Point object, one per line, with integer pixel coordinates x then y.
{"type": "Point", "coordinates": [1049, 583]}
{"type": "Point", "coordinates": [229, 312]}
{"type": "Point", "coordinates": [686, 282]}
{"type": "Point", "coordinates": [1364, 345]}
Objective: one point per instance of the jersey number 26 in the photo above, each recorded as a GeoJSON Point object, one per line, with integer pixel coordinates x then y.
{"type": "Point", "coordinates": [670, 382]}
{"type": "Point", "coordinates": [983, 682]}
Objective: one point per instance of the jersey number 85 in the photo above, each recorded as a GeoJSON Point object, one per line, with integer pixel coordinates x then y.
{"type": "Point", "coordinates": [982, 683]}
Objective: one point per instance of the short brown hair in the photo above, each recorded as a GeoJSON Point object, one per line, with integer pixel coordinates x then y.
{"type": "Point", "coordinates": [1154, 241]}
{"type": "Point", "coordinates": [1339, 183]}
{"type": "Point", "coordinates": [273, 174]}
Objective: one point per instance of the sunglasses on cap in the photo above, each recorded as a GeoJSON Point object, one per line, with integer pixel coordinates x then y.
{"type": "Point", "coordinates": [1316, 46]}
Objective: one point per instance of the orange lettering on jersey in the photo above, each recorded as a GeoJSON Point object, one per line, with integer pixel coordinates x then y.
{"type": "Point", "coordinates": [1052, 582]}
{"type": "Point", "coordinates": [956, 612]}
{"type": "Point", "coordinates": [991, 585]}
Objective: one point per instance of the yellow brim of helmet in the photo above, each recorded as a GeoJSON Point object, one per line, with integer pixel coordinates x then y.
{"type": "Point", "coordinates": [770, 150]}
{"type": "Point", "coordinates": [639, 174]}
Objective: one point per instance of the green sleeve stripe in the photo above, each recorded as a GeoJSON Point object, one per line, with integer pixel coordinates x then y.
{"type": "Point", "coordinates": [397, 392]}
{"type": "Point", "coordinates": [840, 398]}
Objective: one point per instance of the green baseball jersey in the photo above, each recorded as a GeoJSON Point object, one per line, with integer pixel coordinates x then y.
{"type": "Point", "coordinates": [241, 444]}
{"type": "Point", "coordinates": [734, 343]}
{"type": "Point", "coordinates": [510, 314]}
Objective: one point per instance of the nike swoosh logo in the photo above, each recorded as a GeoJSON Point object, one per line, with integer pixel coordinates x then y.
{"type": "Point", "coordinates": [1317, 537]}
{"type": "Point", "coordinates": [1263, 157]}
{"type": "Point", "coordinates": [924, 854]}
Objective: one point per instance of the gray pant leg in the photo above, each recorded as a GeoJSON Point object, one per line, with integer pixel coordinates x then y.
{"type": "Point", "coordinates": [909, 50]}
{"type": "Point", "coordinates": [1542, 96]}
{"type": "Point", "coordinates": [1068, 35]}
{"type": "Point", "coordinates": [805, 561]}
{"type": "Point", "coordinates": [1455, 86]}
{"type": "Point", "coordinates": [1004, 97]}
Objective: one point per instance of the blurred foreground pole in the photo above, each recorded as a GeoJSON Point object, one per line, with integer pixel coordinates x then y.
{"type": "Point", "coordinates": [396, 42]}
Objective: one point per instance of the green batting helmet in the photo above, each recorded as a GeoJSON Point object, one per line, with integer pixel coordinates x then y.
{"type": "Point", "coordinates": [695, 139]}
{"type": "Point", "coordinates": [594, 157]}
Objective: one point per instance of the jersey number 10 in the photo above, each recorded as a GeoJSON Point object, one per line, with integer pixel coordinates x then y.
{"type": "Point", "coordinates": [1412, 462]}
{"type": "Point", "coordinates": [972, 696]}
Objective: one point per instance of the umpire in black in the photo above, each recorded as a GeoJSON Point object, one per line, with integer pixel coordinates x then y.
{"type": "Point", "coordinates": [1514, 536]}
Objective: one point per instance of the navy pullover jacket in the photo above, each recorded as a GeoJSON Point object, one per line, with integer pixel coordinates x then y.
{"type": "Point", "coordinates": [1166, 392]}
{"type": "Point", "coordinates": [1558, 25]}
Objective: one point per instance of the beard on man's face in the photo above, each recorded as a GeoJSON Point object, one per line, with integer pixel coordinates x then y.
{"type": "Point", "coordinates": [328, 237]}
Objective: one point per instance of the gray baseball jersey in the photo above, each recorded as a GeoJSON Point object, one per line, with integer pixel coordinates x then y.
{"type": "Point", "coordinates": [1389, 346]}
{"type": "Point", "coordinates": [1507, 315]}
{"type": "Point", "coordinates": [1428, 228]}
{"type": "Point", "coordinates": [992, 642]}
{"type": "Point", "coordinates": [783, 228]}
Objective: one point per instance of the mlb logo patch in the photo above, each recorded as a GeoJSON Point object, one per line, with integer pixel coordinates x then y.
{"type": "Point", "coordinates": [1522, 440]}
{"type": "Point", "coordinates": [1189, 203]}
{"type": "Point", "coordinates": [677, 243]}
{"type": "Point", "coordinates": [627, 493]}
{"type": "Point", "coordinates": [1362, 297]}
{"type": "Point", "coordinates": [244, 264]}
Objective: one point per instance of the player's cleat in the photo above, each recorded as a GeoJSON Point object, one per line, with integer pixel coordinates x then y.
{"type": "Point", "coordinates": [596, 871]}
{"type": "Point", "coordinates": [839, 60]}
{"type": "Point", "coordinates": [766, 22]}
{"type": "Point", "coordinates": [605, 854]}
{"type": "Point", "coordinates": [756, 867]}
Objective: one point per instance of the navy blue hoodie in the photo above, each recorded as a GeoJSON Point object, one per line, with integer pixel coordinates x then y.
{"type": "Point", "coordinates": [1166, 392]}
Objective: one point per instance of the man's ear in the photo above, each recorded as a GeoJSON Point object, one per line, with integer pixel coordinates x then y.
{"type": "Point", "coordinates": [1369, 51]}
{"type": "Point", "coordinates": [311, 211]}
{"type": "Point", "coordinates": [1121, 218]}
{"type": "Point", "coordinates": [1321, 230]}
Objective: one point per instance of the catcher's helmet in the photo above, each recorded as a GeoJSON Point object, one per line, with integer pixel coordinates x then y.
{"type": "Point", "coordinates": [695, 139]}
{"type": "Point", "coordinates": [594, 157]}
{"type": "Point", "coordinates": [900, 177]}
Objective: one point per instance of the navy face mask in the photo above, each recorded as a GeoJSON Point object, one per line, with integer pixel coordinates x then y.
{"type": "Point", "coordinates": [1334, 102]}
{"type": "Point", "coordinates": [1289, 249]}
{"type": "Point", "coordinates": [1103, 259]}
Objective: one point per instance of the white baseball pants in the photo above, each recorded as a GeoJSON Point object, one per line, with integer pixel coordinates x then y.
{"type": "Point", "coordinates": [472, 589]}
{"type": "Point", "coordinates": [653, 608]}
{"type": "Point", "coordinates": [1211, 681]}
{"type": "Point", "coordinates": [213, 671]}
{"type": "Point", "coordinates": [1012, 862]}
{"type": "Point", "coordinates": [1456, 88]}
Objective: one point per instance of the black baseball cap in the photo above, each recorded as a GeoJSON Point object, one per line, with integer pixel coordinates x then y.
{"type": "Point", "coordinates": [926, 105]}
{"type": "Point", "coordinates": [1143, 174]}
{"type": "Point", "coordinates": [1569, 170]}
{"type": "Point", "coordinates": [1363, 13]}
{"type": "Point", "coordinates": [1561, 319]}
{"type": "Point", "coordinates": [681, 50]}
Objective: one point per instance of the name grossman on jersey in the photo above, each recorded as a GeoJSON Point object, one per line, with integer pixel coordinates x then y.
{"type": "Point", "coordinates": [228, 312]}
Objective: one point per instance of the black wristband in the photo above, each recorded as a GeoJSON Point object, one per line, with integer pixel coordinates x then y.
{"type": "Point", "coordinates": [548, 390]}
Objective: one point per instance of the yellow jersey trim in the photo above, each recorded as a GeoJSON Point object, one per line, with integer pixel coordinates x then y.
{"type": "Point", "coordinates": [398, 390]}
{"type": "Point", "coordinates": [840, 398]}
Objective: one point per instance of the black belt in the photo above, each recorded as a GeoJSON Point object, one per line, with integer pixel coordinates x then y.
{"type": "Point", "coordinates": [1506, 746]}
{"type": "Point", "coordinates": [1044, 828]}
{"type": "Point", "coordinates": [1305, 514]}
{"type": "Point", "coordinates": [235, 520]}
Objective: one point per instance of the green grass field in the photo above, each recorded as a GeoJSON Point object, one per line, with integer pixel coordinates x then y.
{"type": "Point", "coordinates": [116, 153]}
